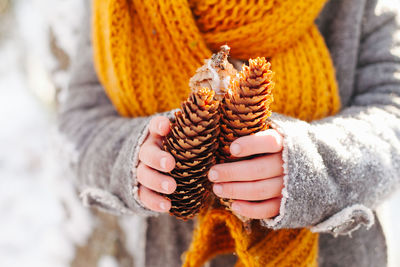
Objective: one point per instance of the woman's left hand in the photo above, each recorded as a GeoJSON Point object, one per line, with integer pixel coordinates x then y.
{"type": "Point", "coordinates": [255, 184]}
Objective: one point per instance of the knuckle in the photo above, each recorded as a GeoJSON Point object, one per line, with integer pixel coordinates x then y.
{"type": "Point", "coordinates": [267, 142]}
{"type": "Point", "coordinates": [249, 211]}
{"type": "Point", "coordinates": [153, 123]}
{"type": "Point", "coordinates": [273, 142]}
{"type": "Point", "coordinates": [159, 118]}
{"type": "Point", "coordinates": [139, 172]}
{"type": "Point", "coordinates": [143, 151]}
{"type": "Point", "coordinates": [261, 192]}
{"type": "Point", "coordinates": [228, 173]}
{"type": "Point", "coordinates": [272, 209]}
{"type": "Point", "coordinates": [154, 161]}
{"type": "Point", "coordinates": [228, 190]}
{"type": "Point", "coordinates": [153, 202]}
{"type": "Point", "coordinates": [261, 168]}
{"type": "Point", "coordinates": [277, 140]}
{"type": "Point", "coordinates": [154, 182]}
{"type": "Point", "coordinates": [277, 161]}
{"type": "Point", "coordinates": [162, 119]}
{"type": "Point", "coordinates": [280, 160]}
{"type": "Point", "coordinates": [142, 194]}
{"type": "Point", "coordinates": [256, 212]}
{"type": "Point", "coordinates": [278, 185]}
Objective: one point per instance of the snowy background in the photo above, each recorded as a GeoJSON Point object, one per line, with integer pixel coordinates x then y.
{"type": "Point", "coordinates": [42, 223]}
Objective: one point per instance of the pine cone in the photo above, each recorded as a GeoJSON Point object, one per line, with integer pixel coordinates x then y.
{"type": "Point", "coordinates": [245, 108]}
{"type": "Point", "coordinates": [193, 142]}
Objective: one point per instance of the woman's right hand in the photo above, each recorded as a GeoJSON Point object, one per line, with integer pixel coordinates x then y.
{"type": "Point", "coordinates": [153, 162]}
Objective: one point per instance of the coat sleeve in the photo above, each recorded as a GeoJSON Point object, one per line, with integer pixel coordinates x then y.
{"type": "Point", "coordinates": [338, 169]}
{"type": "Point", "coordinates": [105, 145]}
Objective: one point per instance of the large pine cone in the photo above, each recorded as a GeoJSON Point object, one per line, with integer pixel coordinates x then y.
{"type": "Point", "coordinates": [245, 108]}
{"type": "Point", "coordinates": [193, 141]}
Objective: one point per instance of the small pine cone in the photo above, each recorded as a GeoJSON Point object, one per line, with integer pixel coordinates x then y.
{"type": "Point", "coordinates": [245, 108]}
{"type": "Point", "coordinates": [193, 142]}
{"type": "Point", "coordinates": [215, 73]}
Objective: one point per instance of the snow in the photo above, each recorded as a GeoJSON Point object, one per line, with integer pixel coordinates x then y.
{"type": "Point", "coordinates": [107, 261]}
{"type": "Point", "coordinates": [135, 241]}
{"type": "Point", "coordinates": [37, 20]}
{"type": "Point", "coordinates": [389, 215]}
{"type": "Point", "coordinates": [35, 188]}
{"type": "Point", "coordinates": [42, 218]}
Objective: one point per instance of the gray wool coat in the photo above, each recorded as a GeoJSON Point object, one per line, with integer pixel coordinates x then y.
{"type": "Point", "coordinates": [337, 170]}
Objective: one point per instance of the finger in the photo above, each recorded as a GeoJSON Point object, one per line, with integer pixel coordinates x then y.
{"type": "Point", "coordinates": [269, 141]}
{"type": "Point", "coordinates": [153, 200]}
{"type": "Point", "coordinates": [153, 156]}
{"type": "Point", "coordinates": [267, 166]}
{"type": "Point", "coordinates": [159, 126]}
{"type": "Point", "coordinates": [258, 190]}
{"type": "Point", "coordinates": [154, 180]}
{"type": "Point", "coordinates": [257, 210]}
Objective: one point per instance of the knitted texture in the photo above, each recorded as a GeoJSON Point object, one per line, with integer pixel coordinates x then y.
{"type": "Point", "coordinates": [146, 51]}
{"type": "Point", "coordinates": [222, 233]}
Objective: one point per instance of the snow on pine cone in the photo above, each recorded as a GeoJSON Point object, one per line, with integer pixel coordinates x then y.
{"type": "Point", "coordinates": [193, 141]}
{"type": "Point", "coordinates": [245, 108]}
{"type": "Point", "coordinates": [215, 74]}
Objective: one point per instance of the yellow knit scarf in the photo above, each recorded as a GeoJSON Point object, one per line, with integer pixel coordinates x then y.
{"type": "Point", "coordinates": [146, 51]}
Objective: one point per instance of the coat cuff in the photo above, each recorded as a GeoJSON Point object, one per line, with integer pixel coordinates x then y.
{"type": "Point", "coordinates": [308, 196]}
{"type": "Point", "coordinates": [123, 198]}
{"type": "Point", "coordinates": [346, 221]}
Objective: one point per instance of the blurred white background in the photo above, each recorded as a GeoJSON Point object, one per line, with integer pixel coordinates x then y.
{"type": "Point", "coordinates": [42, 222]}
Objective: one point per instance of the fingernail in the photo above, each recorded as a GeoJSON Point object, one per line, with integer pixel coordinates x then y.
{"type": "Point", "coordinates": [217, 189]}
{"type": "Point", "coordinates": [213, 175]}
{"type": "Point", "coordinates": [235, 207]}
{"type": "Point", "coordinates": [165, 186]}
{"type": "Point", "coordinates": [163, 163]}
{"type": "Point", "coordinates": [163, 206]}
{"type": "Point", "coordinates": [235, 149]}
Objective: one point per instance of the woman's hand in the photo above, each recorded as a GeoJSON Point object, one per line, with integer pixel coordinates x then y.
{"type": "Point", "coordinates": [256, 184]}
{"type": "Point", "coordinates": [259, 179]}
{"type": "Point", "coordinates": [152, 160]}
